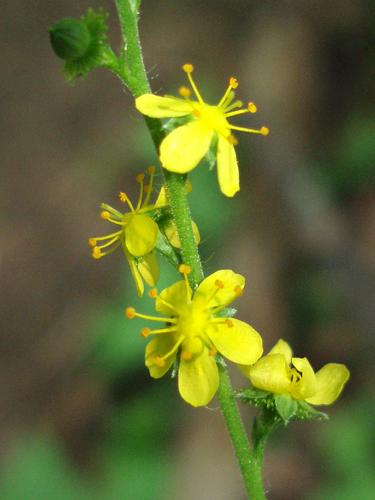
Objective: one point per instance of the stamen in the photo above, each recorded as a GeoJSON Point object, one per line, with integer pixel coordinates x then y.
{"type": "Point", "coordinates": [140, 178]}
{"type": "Point", "coordinates": [212, 351]}
{"type": "Point", "coordinates": [108, 243]}
{"type": "Point", "coordinates": [238, 290]}
{"type": "Point", "coordinates": [219, 284]}
{"type": "Point", "coordinates": [125, 199]}
{"type": "Point", "coordinates": [232, 140]}
{"type": "Point", "coordinates": [264, 130]}
{"type": "Point", "coordinates": [92, 242]}
{"type": "Point", "coordinates": [233, 84]}
{"type": "Point", "coordinates": [115, 213]}
{"type": "Point", "coordinates": [145, 332]}
{"type": "Point", "coordinates": [96, 253]}
{"type": "Point", "coordinates": [153, 293]}
{"type": "Point", "coordinates": [261, 131]}
{"type": "Point", "coordinates": [105, 215]}
{"type": "Point", "coordinates": [186, 355]}
{"type": "Point", "coordinates": [184, 92]}
{"type": "Point", "coordinates": [161, 359]}
{"type": "Point", "coordinates": [151, 172]}
{"type": "Point", "coordinates": [189, 68]}
{"type": "Point", "coordinates": [185, 270]}
{"type": "Point", "coordinates": [160, 362]}
{"type": "Point", "coordinates": [251, 108]}
{"type": "Point", "coordinates": [229, 323]}
{"type": "Point", "coordinates": [131, 313]}
{"type": "Point", "coordinates": [236, 104]}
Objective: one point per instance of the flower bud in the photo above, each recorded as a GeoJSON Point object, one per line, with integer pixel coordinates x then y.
{"type": "Point", "coordinates": [70, 38]}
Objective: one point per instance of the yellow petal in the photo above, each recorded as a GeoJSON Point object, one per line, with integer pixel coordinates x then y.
{"type": "Point", "coordinates": [162, 107]}
{"type": "Point", "coordinates": [159, 347]}
{"type": "Point", "coordinates": [198, 379]}
{"type": "Point", "coordinates": [185, 146]}
{"type": "Point", "coordinates": [239, 342]}
{"type": "Point", "coordinates": [307, 386]}
{"type": "Point", "coordinates": [175, 295]}
{"type": "Point", "coordinates": [232, 283]}
{"type": "Point", "coordinates": [271, 373]}
{"type": "Point", "coordinates": [141, 233]}
{"type": "Point", "coordinates": [135, 273]}
{"type": "Point", "coordinates": [227, 167]}
{"type": "Point", "coordinates": [149, 268]}
{"type": "Point", "coordinates": [282, 347]}
{"type": "Point", "coordinates": [172, 235]}
{"type": "Point", "coordinates": [161, 200]}
{"type": "Point", "coordinates": [331, 380]}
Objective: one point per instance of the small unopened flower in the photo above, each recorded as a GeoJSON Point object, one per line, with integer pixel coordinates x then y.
{"type": "Point", "coordinates": [193, 332]}
{"type": "Point", "coordinates": [185, 146]}
{"type": "Point", "coordinates": [137, 234]}
{"type": "Point", "coordinates": [280, 373]}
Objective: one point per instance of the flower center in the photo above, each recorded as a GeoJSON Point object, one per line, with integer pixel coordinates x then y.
{"type": "Point", "coordinates": [192, 321]}
{"type": "Point", "coordinates": [213, 117]}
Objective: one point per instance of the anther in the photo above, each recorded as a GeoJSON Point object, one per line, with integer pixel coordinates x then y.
{"type": "Point", "coordinates": [147, 188]}
{"type": "Point", "coordinates": [159, 361]}
{"type": "Point", "coordinates": [92, 242]}
{"type": "Point", "coordinates": [184, 269]}
{"type": "Point", "coordinates": [186, 355]}
{"type": "Point", "coordinates": [184, 91]}
{"type": "Point", "coordinates": [96, 253]}
{"type": "Point", "coordinates": [232, 140]}
{"type": "Point", "coordinates": [212, 351]}
{"type": "Point", "coordinates": [252, 107]}
{"type": "Point", "coordinates": [151, 170]}
{"type": "Point", "coordinates": [145, 332]}
{"type": "Point", "coordinates": [153, 293]}
{"type": "Point", "coordinates": [188, 68]}
{"type": "Point", "coordinates": [233, 82]}
{"type": "Point", "coordinates": [264, 131]}
{"type": "Point", "coordinates": [105, 215]}
{"type": "Point", "coordinates": [130, 312]}
{"type": "Point", "coordinates": [219, 284]}
{"type": "Point", "coordinates": [229, 323]}
{"type": "Point", "coordinates": [140, 177]}
{"type": "Point", "coordinates": [238, 290]}
{"type": "Point", "coordinates": [122, 197]}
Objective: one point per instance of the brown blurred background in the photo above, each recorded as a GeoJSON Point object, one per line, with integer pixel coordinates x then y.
{"type": "Point", "coordinates": [80, 418]}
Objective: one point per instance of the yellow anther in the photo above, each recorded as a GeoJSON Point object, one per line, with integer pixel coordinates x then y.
{"type": "Point", "coordinates": [238, 291]}
{"type": "Point", "coordinates": [232, 140]}
{"type": "Point", "coordinates": [184, 91]}
{"type": "Point", "coordinates": [153, 293]}
{"type": "Point", "coordinates": [264, 130]}
{"type": "Point", "coordinates": [140, 177]}
{"type": "Point", "coordinates": [188, 68]}
{"type": "Point", "coordinates": [252, 107]}
{"type": "Point", "coordinates": [130, 312]}
{"type": "Point", "coordinates": [96, 253]}
{"type": "Point", "coordinates": [212, 351]}
{"type": "Point", "coordinates": [229, 323]}
{"type": "Point", "coordinates": [122, 197]}
{"type": "Point", "coordinates": [159, 361]}
{"type": "Point", "coordinates": [184, 269]}
{"type": "Point", "coordinates": [196, 113]}
{"type": "Point", "coordinates": [92, 242]}
{"type": "Point", "coordinates": [151, 170]}
{"type": "Point", "coordinates": [105, 215]}
{"type": "Point", "coordinates": [219, 284]}
{"type": "Point", "coordinates": [233, 82]}
{"type": "Point", "coordinates": [186, 355]}
{"type": "Point", "coordinates": [145, 332]}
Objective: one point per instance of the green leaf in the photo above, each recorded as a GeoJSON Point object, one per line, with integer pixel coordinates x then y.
{"type": "Point", "coordinates": [285, 406]}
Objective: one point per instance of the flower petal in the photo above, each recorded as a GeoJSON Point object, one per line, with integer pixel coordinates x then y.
{"type": "Point", "coordinates": [141, 233]}
{"type": "Point", "coordinates": [239, 342]}
{"type": "Point", "coordinates": [159, 347]}
{"type": "Point", "coordinates": [271, 373]}
{"type": "Point", "coordinates": [227, 167]}
{"type": "Point", "coordinates": [162, 107]}
{"type": "Point", "coordinates": [213, 296]}
{"type": "Point", "coordinates": [185, 146]}
{"type": "Point", "coordinates": [149, 269]}
{"type": "Point", "coordinates": [282, 347]}
{"type": "Point", "coordinates": [161, 200]}
{"type": "Point", "coordinates": [307, 386]}
{"type": "Point", "coordinates": [171, 233]}
{"type": "Point", "coordinates": [198, 379]}
{"type": "Point", "coordinates": [331, 380]}
{"type": "Point", "coordinates": [175, 295]}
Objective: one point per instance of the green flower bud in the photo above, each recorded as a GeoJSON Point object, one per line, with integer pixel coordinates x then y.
{"type": "Point", "coordinates": [70, 38]}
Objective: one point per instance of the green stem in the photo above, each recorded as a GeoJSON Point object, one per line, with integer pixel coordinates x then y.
{"type": "Point", "coordinates": [250, 462]}
{"type": "Point", "coordinates": [134, 76]}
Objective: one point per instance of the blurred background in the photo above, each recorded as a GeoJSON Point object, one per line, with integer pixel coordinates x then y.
{"type": "Point", "coordinates": [80, 416]}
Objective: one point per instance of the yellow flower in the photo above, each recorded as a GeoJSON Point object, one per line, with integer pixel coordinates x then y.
{"type": "Point", "coordinates": [137, 234]}
{"type": "Point", "coordinates": [185, 146]}
{"type": "Point", "coordinates": [280, 373]}
{"type": "Point", "coordinates": [193, 334]}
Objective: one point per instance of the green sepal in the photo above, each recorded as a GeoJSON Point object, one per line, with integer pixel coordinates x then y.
{"type": "Point", "coordinates": [166, 250]}
{"type": "Point", "coordinates": [282, 406]}
{"type": "Point", "coordinates": [285, 406]}
{"type": "Point", "coordinates": [227, 312]}
{"type": "Point", "coordinates": [82, 44]}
